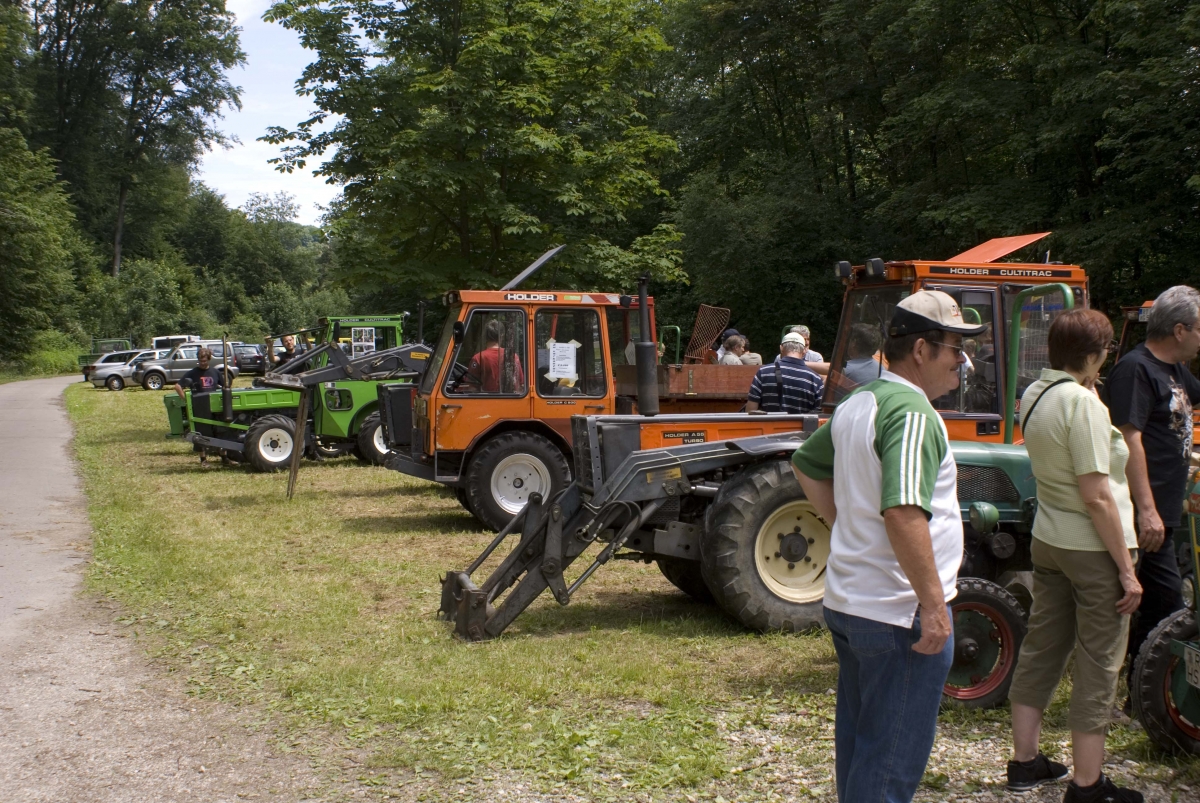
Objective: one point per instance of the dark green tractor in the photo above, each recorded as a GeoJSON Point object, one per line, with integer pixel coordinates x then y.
{"type": "Point", "coordinates": [1166, 673]}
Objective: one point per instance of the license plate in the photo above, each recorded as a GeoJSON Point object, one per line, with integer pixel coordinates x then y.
{"type": "Point", "coordinates": [1191, 657]}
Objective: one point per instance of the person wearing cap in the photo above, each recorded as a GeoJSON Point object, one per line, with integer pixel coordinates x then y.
{"type": "Point", "coordinates": [787, 385]}
{"type": "Point", "coordinates": [882, 474]}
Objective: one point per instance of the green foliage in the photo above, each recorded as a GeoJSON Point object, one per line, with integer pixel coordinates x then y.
{"type": "Point", "coordinates": [844, 130]}
{"type": "Point", "coordinates": [51, 353]}
{"type": "Point", "coordinates": [471, 136]}
{"type": "Point", "coordinates": [38, 246]}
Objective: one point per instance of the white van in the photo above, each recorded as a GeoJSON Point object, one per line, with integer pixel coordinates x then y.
{"type": "Point", "coordinates": [171, 341]}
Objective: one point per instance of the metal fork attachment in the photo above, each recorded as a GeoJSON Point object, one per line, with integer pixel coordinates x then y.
{"type": "Point", "coordinates": [556, 532]}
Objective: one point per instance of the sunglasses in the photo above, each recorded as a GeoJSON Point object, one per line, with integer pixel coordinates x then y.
{"type": "Point", "coordinates": [959, 349]}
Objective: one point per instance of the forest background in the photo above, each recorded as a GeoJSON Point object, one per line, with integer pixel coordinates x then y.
{"type": "Point", "coordinates": [734, 150]}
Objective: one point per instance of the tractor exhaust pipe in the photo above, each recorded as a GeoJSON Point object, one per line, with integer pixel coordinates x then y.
{"type": "Point", "coordinates": [646, 354]}
{"type": "Point", "coordinates": [421, 322]}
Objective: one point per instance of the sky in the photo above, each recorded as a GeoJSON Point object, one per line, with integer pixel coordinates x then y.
{"type": "Point", "coordinates": [274, 60]}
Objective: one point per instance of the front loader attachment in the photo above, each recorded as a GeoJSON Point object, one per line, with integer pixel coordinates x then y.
{"type": "Point", "coordinates": [554, 533]}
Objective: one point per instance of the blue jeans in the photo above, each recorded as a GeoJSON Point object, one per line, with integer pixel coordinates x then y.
{"type": "Point", "coordinates": [887, 706]}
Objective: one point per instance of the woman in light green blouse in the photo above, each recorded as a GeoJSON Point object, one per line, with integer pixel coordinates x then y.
{"type": "Point", "coordinates": [1084, 585]}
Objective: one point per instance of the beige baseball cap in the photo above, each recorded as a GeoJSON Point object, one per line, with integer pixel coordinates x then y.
{"type": "Point", "coordinates": [929, 309]}
{"type": "Point", "coordinates": [794, 337]}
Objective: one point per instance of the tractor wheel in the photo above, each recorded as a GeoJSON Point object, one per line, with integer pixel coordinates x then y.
{"type": "Point", "coordinates": [371, 446]}
{"type": "Point", "coordinates": [114, 383]}
{"type": "Point", "coordinates": [686, 576]}
{"type": "Point", "coordinates": [506, 469]}
{"type": "Point", "coordinates": [153, 381]}
{"type": "Point", "coordinates": [461, 495]}
{"type": "Point", "coordinates": [331, 451]}
{"type": "Point", "coordinates": [1166, 705]}
{"type": "Point", "coordinates": [269, 443]}
{"type": "Point", "coordinates": [764, 550]}
{"type": "Point", "coordinates": [989, 626]}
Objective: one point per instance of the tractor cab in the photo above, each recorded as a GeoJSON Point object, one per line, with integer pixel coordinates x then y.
{"type": "Point", "coordinates": [987, 293]}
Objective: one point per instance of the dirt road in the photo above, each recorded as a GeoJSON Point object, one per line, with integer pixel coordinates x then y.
{"type": "Point", "coordinates": [83, 717]}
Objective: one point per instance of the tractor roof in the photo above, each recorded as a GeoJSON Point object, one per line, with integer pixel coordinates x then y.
{"type": "Point", "coordinates": [567, 297]}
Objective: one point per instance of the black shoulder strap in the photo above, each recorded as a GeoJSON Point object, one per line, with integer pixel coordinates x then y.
{"type": "Point", "coordinates": [779, 385]}
{"type": "Point", "coordinates": [1042, 395]}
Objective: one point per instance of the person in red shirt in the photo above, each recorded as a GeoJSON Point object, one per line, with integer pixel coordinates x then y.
{"type": "Point", "coordinates": [488, 366]}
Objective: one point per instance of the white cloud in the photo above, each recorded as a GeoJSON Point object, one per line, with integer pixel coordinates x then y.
{"type": "Point", "coordinates": [274, 61]}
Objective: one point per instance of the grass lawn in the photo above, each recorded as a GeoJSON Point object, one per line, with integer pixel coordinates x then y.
{"type": "Point", "coordinates": [322, 610]}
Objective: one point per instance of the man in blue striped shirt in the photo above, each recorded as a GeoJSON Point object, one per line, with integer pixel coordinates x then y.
{"type": "Point", "coordinates": [787, 385]}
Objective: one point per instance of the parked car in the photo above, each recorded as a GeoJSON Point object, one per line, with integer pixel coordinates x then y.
{"type": "Point", "coordinates": [115, 375]}
{"type": "Point", "coordinates": [162, 374]}
{"type": "Point", "coordinates": [111, 359]}
{"type": "Point", "coordinates": [250, 359]}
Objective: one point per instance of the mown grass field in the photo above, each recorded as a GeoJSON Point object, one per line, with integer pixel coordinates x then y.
{"type": "Point", "coordinates": [321, 610]}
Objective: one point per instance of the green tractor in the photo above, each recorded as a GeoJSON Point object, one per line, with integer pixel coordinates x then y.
{"type": "Point", "coordinates": [1166, 673]}
{"type": "Point", "coordinates": [257, 425]}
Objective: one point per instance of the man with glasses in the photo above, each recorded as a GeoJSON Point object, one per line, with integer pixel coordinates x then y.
{"type": "Point", "coordinates": [1150, 395]}
{"type": "Point", "coordinates": [882, 473]}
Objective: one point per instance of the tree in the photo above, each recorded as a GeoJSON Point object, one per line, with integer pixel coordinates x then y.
{"type": "Point", "coordinates": [38, 246]}
{"type": "Point", "coordinates": [129, 87]}
{"type": "Point", "coordinates": [471, 135]}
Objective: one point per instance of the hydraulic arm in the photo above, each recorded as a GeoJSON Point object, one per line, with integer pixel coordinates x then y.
{"type": "Point", "coordinates": [625, 511]}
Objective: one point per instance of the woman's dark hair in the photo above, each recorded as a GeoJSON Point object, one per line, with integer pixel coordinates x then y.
{"type": "Point", "coordinates": [1076, 335]}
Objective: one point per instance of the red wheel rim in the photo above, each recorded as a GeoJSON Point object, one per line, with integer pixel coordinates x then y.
{"type": "Point", "coordinates": [1190, 730]}
{"type": "Point", "coordinates": [1004, 662]}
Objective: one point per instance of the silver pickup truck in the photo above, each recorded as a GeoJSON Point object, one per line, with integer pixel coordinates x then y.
{"type": "Point", "coordinates": [162, 374]}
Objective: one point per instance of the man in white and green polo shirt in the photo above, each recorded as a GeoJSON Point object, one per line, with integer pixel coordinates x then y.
{"type": "Point", "coordinates": [881, 472]}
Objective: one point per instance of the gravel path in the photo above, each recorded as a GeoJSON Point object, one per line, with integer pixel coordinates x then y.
{"type": "Point", "coordinates": [83, 716]}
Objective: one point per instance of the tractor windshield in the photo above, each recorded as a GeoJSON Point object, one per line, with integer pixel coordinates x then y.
{"type": "Point", "coordinates": [858, 357]}
{"type": "Point", "coordinates": [429, 379]}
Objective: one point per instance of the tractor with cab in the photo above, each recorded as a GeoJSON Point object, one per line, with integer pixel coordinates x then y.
{"type": "Point", "coordinates": [491, 417]}
{"type": "Point", "coordinates": [711, 498]}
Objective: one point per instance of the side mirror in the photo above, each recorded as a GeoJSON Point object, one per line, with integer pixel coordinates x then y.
{"type": "Point", "coordinates": [459, 332]}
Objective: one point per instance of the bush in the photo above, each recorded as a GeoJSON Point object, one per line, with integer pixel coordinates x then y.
{"type": "Point", "coordinates": [52, 353]}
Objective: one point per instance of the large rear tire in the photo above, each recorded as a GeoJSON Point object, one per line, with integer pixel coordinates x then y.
{"type": "Point", "coordinates": [509, 467]}
{"type": "Point", "coordinates": [461, 495]}
{"type": "Point", "coordinates": [371, 446]}
{"type": "Point", "coordinates": [989, 626]}
{"type": "Point", "coordinates": [269, 443]}
{"type": "Point", "coordinates": [1162, 698]}
{"type": "Point", "coordinates": [764, 551]}
{"type": "Point", "coordinates": [687, 576]}
{"type": "Point", "coordinates": [153, 381]}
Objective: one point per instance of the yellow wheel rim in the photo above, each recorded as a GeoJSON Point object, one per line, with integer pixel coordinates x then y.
{"type": "Point", "coordinates": [791, 552]}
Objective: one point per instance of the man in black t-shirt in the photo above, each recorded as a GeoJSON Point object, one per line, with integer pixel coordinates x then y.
{"type": "Point", "coordinates": [1150, 395]}
{"type": "Point", "coordinates": [201, 379]}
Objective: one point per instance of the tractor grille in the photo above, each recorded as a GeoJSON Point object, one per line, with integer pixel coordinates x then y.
{"type": "Point", "coordinates": [985, 484]}
{"type": "Point", "coordinates": [581, 451]}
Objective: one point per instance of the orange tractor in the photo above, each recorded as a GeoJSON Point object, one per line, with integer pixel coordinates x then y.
{"type": "Point", "coordinates": [492, 414]}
